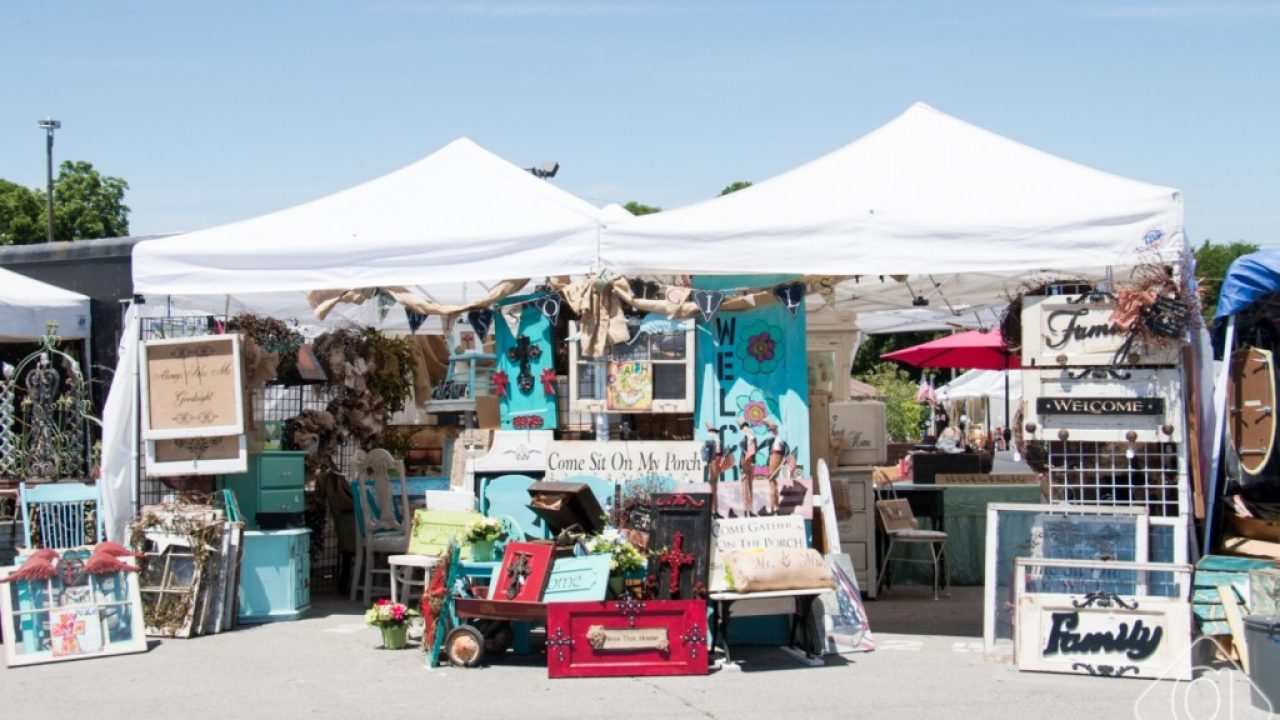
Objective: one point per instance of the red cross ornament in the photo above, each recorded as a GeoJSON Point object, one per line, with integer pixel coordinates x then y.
{"type": "Point", "coordinates": [675, 558]}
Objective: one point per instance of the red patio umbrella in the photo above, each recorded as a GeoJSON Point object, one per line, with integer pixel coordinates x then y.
{"type": "Point", "coordinates": [971, 350]}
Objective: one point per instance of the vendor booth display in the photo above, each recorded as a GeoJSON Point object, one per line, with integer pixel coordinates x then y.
{"type": "Point", "coordinates": [643, 436]}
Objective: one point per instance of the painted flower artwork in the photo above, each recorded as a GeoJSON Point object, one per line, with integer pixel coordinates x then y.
{"type": "Point", "coordinates": [760, 350]}
{"type": "Point", "coordinates": [755, 410]}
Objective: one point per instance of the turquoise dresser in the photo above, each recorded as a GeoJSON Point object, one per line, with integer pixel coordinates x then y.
{"type": "Point", "coordinates": [275, 576]}
{"type": "Point", "coordinates": [270, 492]}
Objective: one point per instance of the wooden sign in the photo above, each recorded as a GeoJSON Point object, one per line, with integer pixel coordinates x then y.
{"type": "Point", "coordinates": [432, 530]}
{"type": "Point", "coordinates": [1099, 406]}
{"type": "Point", "coordinates": [1103, 633]}
{"type": "Point", "coordinates": [197, 456]}
{"type": "Point", "coordinates": [681, 538]}
{"type": "Point", "coordinates": [526, 567]}
{"type": "Point", "coordinates": [191, 387]}
{"type": "Point", "coordinates": [576, 579]}
{"type": "Point", "coordinates": [1076, 330]}
{"type": "Point", "coordinates": [626, 639]}
{"type": "Point", "coordinates": [785, 531]}
{"type": "Point", "coordinates": [1105, 405]}
{"type": "Point", "coordinates": [674, 461]}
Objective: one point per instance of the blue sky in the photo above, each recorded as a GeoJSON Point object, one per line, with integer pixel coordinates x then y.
{"type": "Point", "coordinates": [221, 110]}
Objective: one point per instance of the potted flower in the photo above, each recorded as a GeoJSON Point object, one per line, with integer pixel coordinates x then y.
{"type": "Point", "coordinates": [482, 534]}
{"type": "Point", "coordinates": [626, 562]}
{"type": "Point", "coordinates": [392, 619]}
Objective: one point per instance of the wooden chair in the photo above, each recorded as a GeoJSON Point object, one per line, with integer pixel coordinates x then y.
{"type": "Point", "coordinates": [899, 525]}
{"type": "Point", "coordinates": [383, 527]}
{"type": "Point", "coordinates": [60, 515]}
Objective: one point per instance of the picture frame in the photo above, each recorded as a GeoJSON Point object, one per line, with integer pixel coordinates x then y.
{"type": "Point", "coordinates": [71, 616]}
{"type": "Point", "coordinates": [192, 387]}
{"type": "Point", "coordinates": [525, 571]}
{"type": "Point", "coordinates": [998, 606]}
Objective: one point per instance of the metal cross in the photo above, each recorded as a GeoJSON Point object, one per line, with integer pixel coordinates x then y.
{"type": "Point", "coordinates": [524, 353]}
{"type": "Point", "coordinates": [675, 558]}
{"type": "Point", "coordinates": [517, 573]}
{"type": "Point", "coordinates": [559, 641]}
{"type": "Point", "coordinates": [693, 637]}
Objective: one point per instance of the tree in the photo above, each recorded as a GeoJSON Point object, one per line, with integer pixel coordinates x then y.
{"type": "Point", "coordinates": [21, 215]}
{"type": "Point", "coordinates": [735, 187]}
{"type": "Point", "coordinates": [1212, 262]}
{"type": "Point", "coordinates": [637, 208]}
{"type": "Point", "coordinates": [869, 352]}
{"type": "Point", "coordinates": [903, 416]}
{"type": "Point", "coordinates": [86, 204]}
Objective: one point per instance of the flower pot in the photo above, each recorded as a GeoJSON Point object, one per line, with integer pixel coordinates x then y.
{"type": "Point", "coordinates": [394, 637]}
{"type": "Point", "coordinates": [482, 551]}
{"type": "Point", "coordinates": [615, 585]}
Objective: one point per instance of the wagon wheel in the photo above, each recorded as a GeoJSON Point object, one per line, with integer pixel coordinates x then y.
{"type": "Point", "coordinates": [497, 636]}
{"type": "Point", "coordinates": [464, 646]}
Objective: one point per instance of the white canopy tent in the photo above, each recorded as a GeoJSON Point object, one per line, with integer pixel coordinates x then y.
{"type": "Point", "coordinates": [27, 306]}
{"type": "Point", "coordinates": [926, 193]}
{"type": "Point", "coordinates": [444, 226]}
{"type": "Point", "coordinates": [984, 383]}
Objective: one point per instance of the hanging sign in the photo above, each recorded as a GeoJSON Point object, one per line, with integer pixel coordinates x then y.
{"type": "Point", "coordinates": [191, 387]}
{"type": "Point", "coordinates": [1099, 406]}
{"type": "Point", "coordinates": [677, 461]}
{"type": "Point", "coordinates": [1068, 330]}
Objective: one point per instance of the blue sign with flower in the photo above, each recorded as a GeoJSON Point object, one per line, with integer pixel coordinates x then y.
{"type": "Point", "coordinates": [752, 377]}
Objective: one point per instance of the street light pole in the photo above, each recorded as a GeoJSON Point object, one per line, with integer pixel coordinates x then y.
{"type": "Point", "coordinates": [49, 125]}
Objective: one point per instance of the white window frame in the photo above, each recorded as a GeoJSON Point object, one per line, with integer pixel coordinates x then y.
{"type": "Point", "coordinates": [660, 405]}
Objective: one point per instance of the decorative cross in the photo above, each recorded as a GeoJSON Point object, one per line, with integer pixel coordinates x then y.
{"type": "Point", "coordinates": [525, 352]}
{"type": "Point", "coordinates": [631, 607]}
{"type": "Point", "coordinates": [559, 641]}
{"type": "Point", "coordinates": [517, 573]}
{"type": "Point", "coordinates": [67, 630]}
{"type": "Point", "coordinates": [694, 637]}
{"type": "Point", "coordinates": [675, 558]}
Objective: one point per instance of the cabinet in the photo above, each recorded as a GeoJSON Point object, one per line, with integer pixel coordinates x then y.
{"type": "Point", "coordinates": [830, 351]}
{"type": "Point", "coordinates": [854, 496]}
{"type": "Point", "coordinates": [270, 492]}
{"type": "Point", "coordinates": [275, 576]}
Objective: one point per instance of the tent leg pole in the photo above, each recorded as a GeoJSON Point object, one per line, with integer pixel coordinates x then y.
{"type": "Point", "coordinates": [1219, 425]}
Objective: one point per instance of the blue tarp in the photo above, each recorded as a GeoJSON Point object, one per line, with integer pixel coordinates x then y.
{"type": "Point", "coordinates": [1250, 278]}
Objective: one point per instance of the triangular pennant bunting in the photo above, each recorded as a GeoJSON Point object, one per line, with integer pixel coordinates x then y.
{"type": "Point", "coordinates": [790, 296]}
{"type": "Point", "coordinates": [480, 321]}
{"type": "Point", "coordinates": [708, 302]}
{"type": "Point", "coordinates": [414, 318]}
{"type": "Point", "coordinates": [550, 307]}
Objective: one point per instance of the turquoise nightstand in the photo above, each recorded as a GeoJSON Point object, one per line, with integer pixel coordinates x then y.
{"type": "Point", "coordinates": [275, 576]}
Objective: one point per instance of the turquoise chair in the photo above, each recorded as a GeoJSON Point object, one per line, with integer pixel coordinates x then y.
{"type": "Point", "coordinates": [62, 514]}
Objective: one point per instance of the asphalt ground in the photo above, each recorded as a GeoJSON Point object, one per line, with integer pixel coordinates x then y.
{"type": "Point", "coordinates": [330, 665]}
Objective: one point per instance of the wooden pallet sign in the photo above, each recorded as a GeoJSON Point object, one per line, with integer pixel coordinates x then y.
{"type": "Point", "coordinates": [1103, 633]}
{"type": "Point", "coordinates": [682, 538]}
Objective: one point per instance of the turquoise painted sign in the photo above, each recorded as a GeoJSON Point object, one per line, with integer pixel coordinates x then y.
{"type": "Point", "coordinates": [525, 378]}
{"type": "Point", "coordinates": [753, 387]}
{"type": "Point", "coordinates": [578, 579]}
